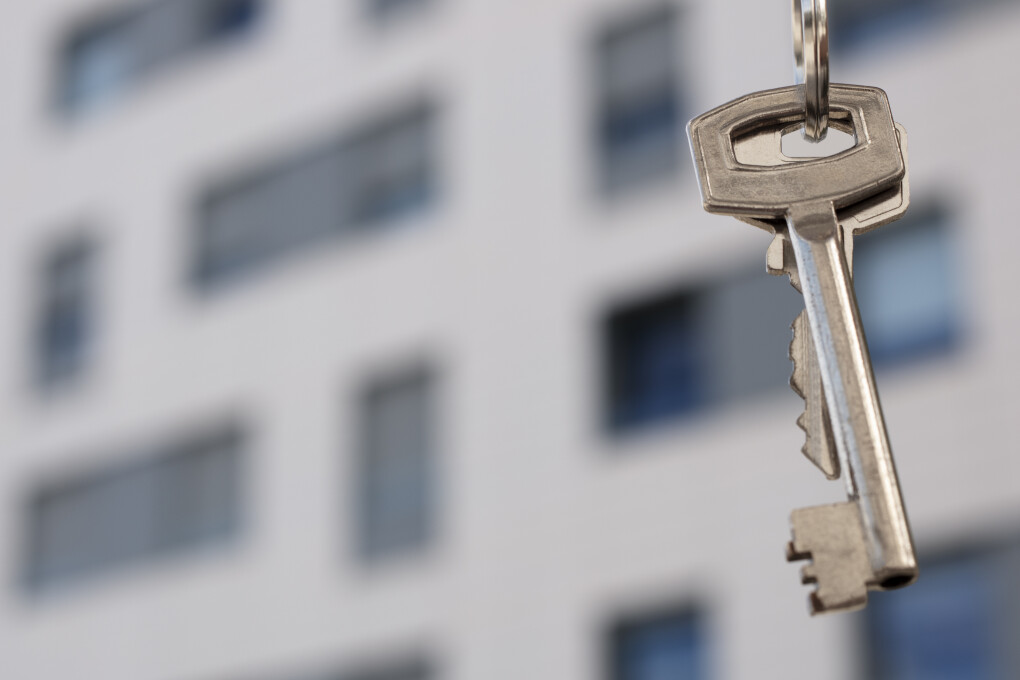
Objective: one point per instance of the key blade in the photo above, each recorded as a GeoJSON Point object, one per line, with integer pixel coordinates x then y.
{"type": "Point", "coordinates": [850, 392]}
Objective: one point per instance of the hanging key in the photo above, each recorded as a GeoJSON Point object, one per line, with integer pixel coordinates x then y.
{"type": "Point", "coordinates": [864, 542]}
{"type": "Point", "coordinates": [765, 148]}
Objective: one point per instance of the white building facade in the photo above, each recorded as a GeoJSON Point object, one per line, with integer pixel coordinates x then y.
{"type": "Point", "coordinates": [388, 340]}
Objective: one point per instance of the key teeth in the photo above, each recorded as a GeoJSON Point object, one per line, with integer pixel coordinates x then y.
{"type": "Point", "coordinates": [831, 538]}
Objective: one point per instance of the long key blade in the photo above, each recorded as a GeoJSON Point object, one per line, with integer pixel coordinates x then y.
{"type": "Point", "coordinates": [858, 426]}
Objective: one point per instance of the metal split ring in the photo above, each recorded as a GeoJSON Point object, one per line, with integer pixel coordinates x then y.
{"type": "Point", "coordinates": [811, 56]}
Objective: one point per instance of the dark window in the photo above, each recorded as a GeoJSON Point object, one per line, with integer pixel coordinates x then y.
{"type": "Point", "coordinates": [639, 109]}
{"type": "Point", "coordinates": [186, 495]}
{"type": "Point", "coordinates": [106, 57]}
{"type": "Point", "coordinates": [396, 466]}
{"type": "Point", "coordinates": [960, 621]}
{"type": "Point", "coordinates": [385, 10]}
{"type": "Point", "coordinates": [399, 669]}
{"type": "Point", "coordinates": [669, 646]}
{"type": "Point", "coordinates": [683, 350]}
{"type": "Point", "coordinates": [350, 186]}
{"type": "Point", "coordinates": [855, 23]}
{"type": "Point", "coordinates": [906, 289]}
{"type": "Point", "coordinates": [67, 315]}
{"type": "Point", "coordinates": [414, 670]}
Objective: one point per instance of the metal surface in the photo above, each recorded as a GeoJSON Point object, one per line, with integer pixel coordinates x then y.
{"type": "Point", "coordinates": [869, 214]}
{"type": "Point", "coordinates": [811, 58]}
{"type": "Point", "coordinates": [806, 194]}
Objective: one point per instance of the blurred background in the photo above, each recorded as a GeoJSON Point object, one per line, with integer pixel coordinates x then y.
{"type": "Point", "coordinates": [388, 340]}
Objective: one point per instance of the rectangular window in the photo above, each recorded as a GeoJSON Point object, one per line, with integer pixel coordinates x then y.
{"type": "Point", "coordinates": [385, 10]}
{"type": "Point", "coordinates": [905, 285]}
{"type": "Point", "coordinates": [400, 669]}
{"type": "Point", "coordinates": [414, 670]}
{"type": "Point", "coordinates": [853, 24]}
{"type": "Point", "coordinates": [639, 127]}
{"type": "Point", "coordinates": [668, 646]}
{"type": "Point", "coordinates": [184, 496]}
{"type": "Point", "coordinates": [686, 349]}
{"type": "Point", "coordinates": [958, 622]}
{"type": "Point", "coordinates": [396, 466]}
{"type": "Point", "coordinates": [67, 315]}
{"type": "Point", "coordinates": [103, 58]}
{"type": "Point", "coordinates": [350, 186]}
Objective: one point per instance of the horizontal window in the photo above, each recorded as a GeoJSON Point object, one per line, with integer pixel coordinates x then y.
{"type": "Point", "coordinates": [105, 57]}
{"type": "Point", "coordinates": [184, 495]}
{"type": "Point", "coordinates": [353, 185]}
{"type": "Point", "coordinates": [386, 10]}
{"type": "Point", "coordinates": [865, 21]}
{"type": "Point", "coordinates": [958, 622]}
{"type": "Point", "coordinates": [663, 646]}
{"type": "Point", "coordinates": [681, 350]}
{"type": "Point", "coordinates": [392, 669]}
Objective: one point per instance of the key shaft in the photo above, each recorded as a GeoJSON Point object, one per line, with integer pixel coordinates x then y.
{"type": "Point", "coordinates": [858, 425]}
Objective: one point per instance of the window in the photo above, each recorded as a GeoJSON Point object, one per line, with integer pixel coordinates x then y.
{"type": "Point", "coordinates": [666, 646]}
{"type": "Point", "coordinates": [385, 10]}
{"type": "Point", "coordinates": [106, 57]}
{"type": "Point", "coordinates": [958, 622]}
{"type": "Point", "coordinates": [184, 496]}
{"type": "Point", "coordinates": [864, 21]}
{"type": "Point", "coordinates": [416, 668]}
{"type": "Point", "coordinates": [396, 466]}
{"type": "Point", "coordinates": [354, 185]}
{"type": "Point", "coordinates": [639, 127]}
{"type": "Point", "coordinates": [686, 349]}
{"type": "Point", "coordinates": [66, 321]}
{"type": "Point", "coordinates": [903, 277]}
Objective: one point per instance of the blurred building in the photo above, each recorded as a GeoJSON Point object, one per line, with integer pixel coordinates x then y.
{"type": "Point", "coordinates": [387, 340]}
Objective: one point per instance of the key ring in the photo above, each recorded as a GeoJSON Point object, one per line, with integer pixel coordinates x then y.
{"type": "Point", "coordinates": [811, 56]}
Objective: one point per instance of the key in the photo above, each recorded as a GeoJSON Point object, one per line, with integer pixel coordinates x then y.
{"type": "Point", "coordinates": [864, 542]}
{"type": "Point", "coordinates": [765, 148]}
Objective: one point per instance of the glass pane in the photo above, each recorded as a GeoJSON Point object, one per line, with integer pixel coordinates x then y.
{"type": "Point", "coordinates": [639, 127]}
{"type": "Point", "coordinates": [187, 495]}
{"type": "Point", "coordinates": [955, 623]}
{"type": "Point", "coordinates": [667, 648]}
{"type": "Point", "coordinates": [396, 466]}
{"type": "Point", "coordinates": [904, 280]}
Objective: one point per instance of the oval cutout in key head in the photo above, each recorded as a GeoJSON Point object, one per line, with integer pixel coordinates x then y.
{"type": "Point", "coordinates": [795, 145]}
{"type": "Point", "coordinates": [734, 188]}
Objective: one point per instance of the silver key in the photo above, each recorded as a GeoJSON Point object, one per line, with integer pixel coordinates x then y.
{"type": "Point", "coordinates": [765, 148]}
{"type": "Point", "coordinates": [864, 542]}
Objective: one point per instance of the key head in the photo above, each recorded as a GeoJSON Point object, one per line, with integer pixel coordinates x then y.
{"type": "Point", "coordinates": [730, 187]}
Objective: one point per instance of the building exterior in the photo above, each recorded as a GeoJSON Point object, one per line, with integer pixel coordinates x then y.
{"type": "Point", "coordinates": [387, 340]}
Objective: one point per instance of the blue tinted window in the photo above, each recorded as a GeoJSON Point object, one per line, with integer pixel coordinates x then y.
{"type": "Point", "coordinates": [669, 647]}
{"type": "Point", "coordinates": [675, 353]}
{"type": "Point", "coordinates": [348, 186]}
{"type": "Point", "coordinates": [185, 495]}
{"type": "Point", "coordinates": [639, 110]}
{"type": "Point", "coordinates": [905, 284]}
{"type": "Point", "coordinates": [396, 466]}
{"type": "Point", "coordinates": [107, 56]}
{"type": "Point", "coordinates": [865, 21]}
{"type": "Point", "coordinates": [655, 362]}
{"type": "Point", "coordinates": [958, 622]}
{"type": "Point", "coordinates": [384, 10]}
{"type": "Point", "coordinates": [67, 318]}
